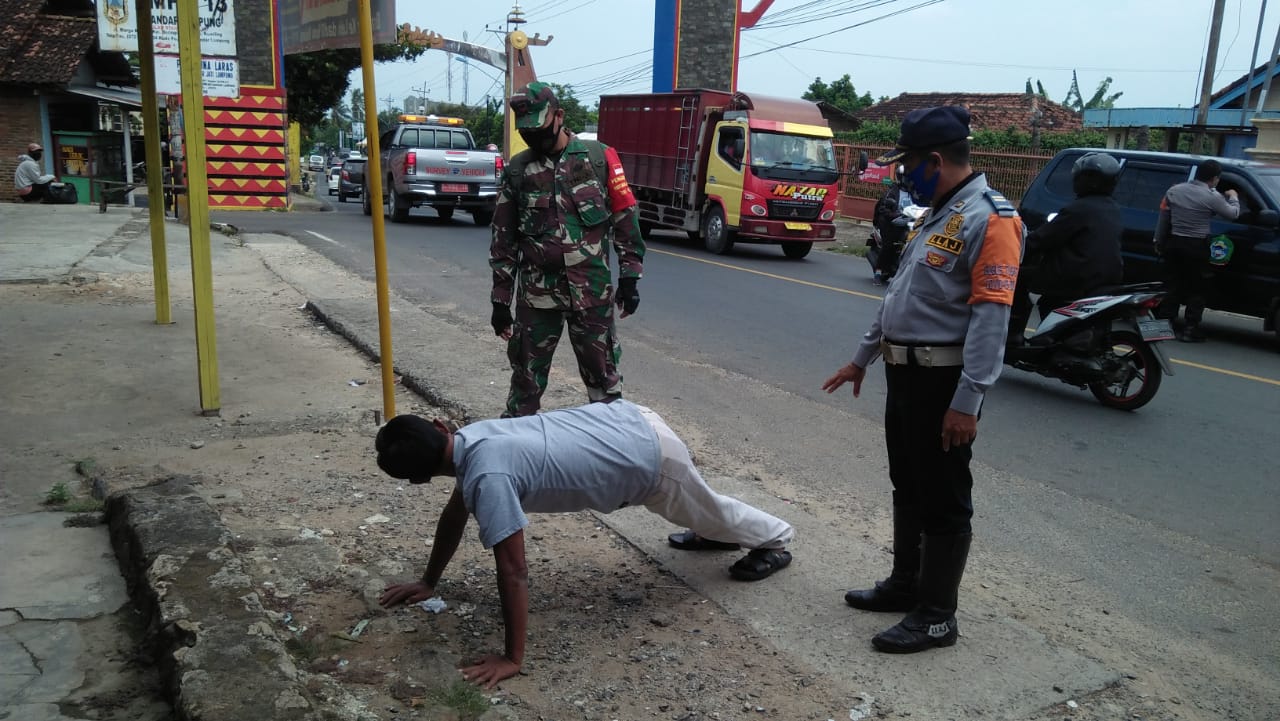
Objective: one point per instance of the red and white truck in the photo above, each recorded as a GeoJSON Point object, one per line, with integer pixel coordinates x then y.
{"type": "Point", "coordinates": [727, 167]}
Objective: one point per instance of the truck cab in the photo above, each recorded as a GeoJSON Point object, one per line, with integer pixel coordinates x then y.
{"type": "Point", "coordinates": [771, 183]}
{"type": "Point", "coordinates": [727, 167]}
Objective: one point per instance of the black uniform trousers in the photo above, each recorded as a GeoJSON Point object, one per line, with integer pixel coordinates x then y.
{"type": "Point", "coordinates": [932, 486]}
{"type": "Point", "coordinates": [1187, 271]}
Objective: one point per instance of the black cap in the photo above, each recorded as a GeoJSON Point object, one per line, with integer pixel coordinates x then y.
{"type": "Point", "coordinates": [928, 128]}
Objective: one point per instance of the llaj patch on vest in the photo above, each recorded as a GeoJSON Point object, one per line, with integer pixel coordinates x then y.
{"type": "Point", "coordinates": [954, 223]}
{"type": "Point", "coordinates": [946, 242]}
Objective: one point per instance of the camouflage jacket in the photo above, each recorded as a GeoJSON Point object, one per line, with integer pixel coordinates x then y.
{"type": "Point", "coordinates": [552, 228]}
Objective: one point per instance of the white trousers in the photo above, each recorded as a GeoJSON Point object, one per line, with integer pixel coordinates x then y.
{"type": "Point", "coordinates": [685, 499]}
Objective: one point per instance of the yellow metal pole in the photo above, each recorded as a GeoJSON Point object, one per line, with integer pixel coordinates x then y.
{"type": "Point", "coordinates": [155, 172]}
{"type": "Point", "coordinates": [198, 200]}
{"type": "Point", "coordinates": [373, 173]}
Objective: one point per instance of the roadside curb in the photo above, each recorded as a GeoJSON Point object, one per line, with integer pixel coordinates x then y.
{"type": "Point", "coordinates": [219, 654]}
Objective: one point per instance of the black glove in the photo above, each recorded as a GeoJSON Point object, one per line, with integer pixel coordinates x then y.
{"type": "Point", "coordinates": [627, 297]}
{"type": "Point", "coordinates": [501, 318]}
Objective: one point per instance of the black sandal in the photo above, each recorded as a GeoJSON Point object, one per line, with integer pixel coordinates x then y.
{"type": "Point", "coordinates": [690, 541]}
{"type": "Point", "coordinates": [760, 563]}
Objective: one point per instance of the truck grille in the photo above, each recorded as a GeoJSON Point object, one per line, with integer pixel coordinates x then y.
{"type": "Point", "coordinates": [794, 210]}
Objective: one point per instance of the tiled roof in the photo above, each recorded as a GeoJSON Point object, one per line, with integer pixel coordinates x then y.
{"type": "Point", "coordinates": [40, 49]}
{"type": "Point", "coordinates": [988, 111]}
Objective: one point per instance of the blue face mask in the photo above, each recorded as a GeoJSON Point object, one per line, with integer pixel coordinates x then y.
{"type": "Point", "coordinates": [922, 189]}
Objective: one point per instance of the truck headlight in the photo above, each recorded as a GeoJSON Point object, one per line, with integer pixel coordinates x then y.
{"type": "Point", "coordinates": [758, 210]}
{"type": "Point", "coordinates": [828, 214]}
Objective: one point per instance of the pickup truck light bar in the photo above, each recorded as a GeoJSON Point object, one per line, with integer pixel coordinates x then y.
{"type": "Point", "coordinates": [431, 120]}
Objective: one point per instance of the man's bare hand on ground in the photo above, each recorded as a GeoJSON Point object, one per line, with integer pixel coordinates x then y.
{"type": "Point", "coordinates": [489, 670]}
{"type": "Point", "coordinates": [406, 593]}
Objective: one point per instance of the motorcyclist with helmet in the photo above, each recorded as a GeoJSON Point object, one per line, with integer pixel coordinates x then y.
{"type": "Point", "coordinates": [1077, 253]}
{"type": "Point", "coordinates": [892, 227]}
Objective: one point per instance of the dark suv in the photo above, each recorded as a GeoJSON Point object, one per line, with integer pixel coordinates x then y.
{"type": "Point", "coordinates": [352, 180]}
{"type": "Point", "coordinates": [1249, 284]}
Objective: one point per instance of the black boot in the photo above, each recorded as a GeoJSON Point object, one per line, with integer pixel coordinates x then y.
{"type": "Point", "coordinates": [933, 622]}
{"type": "Point", "coordinates": [898, 591]}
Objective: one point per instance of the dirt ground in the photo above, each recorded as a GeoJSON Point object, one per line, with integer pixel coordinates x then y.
{"type": "Point", "coordinates": [611, 634]}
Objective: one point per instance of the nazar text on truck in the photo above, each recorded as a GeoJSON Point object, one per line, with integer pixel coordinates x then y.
{"type": "Point", "coordinates": [727, 167]}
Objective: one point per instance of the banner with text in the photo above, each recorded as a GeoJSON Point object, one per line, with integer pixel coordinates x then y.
{"type": "Point", "coordinates": [308, 25]}
{"type": "Point", "coordinates": [118, 27]}
{"type": "Point", "coordinates": [220, 77]}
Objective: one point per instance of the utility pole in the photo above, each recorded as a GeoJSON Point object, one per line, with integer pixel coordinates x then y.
{"type": "Point", "coordinates": [1271, 71]}
{"type": "Point", "coordinates": [390, 100]}
{"type": "Point", "coordinates": [1206, 85]}
{"type": "Point", "coordinates": [1253, 63]}
{"type": "Point", "coordinates": [422, 98]}
{"type": "Point", "coordinates": [448, 76]}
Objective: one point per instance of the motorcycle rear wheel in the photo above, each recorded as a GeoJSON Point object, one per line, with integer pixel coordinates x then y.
{"type": "Point", "coordinates": [1138, 365]}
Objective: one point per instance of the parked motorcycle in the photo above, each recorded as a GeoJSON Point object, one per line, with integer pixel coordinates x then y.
{"type": "Point", "coordinates": [1107, 344]}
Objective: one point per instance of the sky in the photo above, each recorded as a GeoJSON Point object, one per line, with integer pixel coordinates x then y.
{"type": "Point", "coordinates": [1153, 52]}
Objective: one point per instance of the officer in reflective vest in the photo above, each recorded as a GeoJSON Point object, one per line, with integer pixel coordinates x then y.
{"type": "Point", "coordinates": [941, 332]}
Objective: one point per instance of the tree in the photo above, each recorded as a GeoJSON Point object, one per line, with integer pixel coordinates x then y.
{"type": "Point", "coordinates": [357, 105]}
{"type": "Point", "coordinates": [839, 93]}
{"type": "Point", "coordinates": [576, 115]}
{"type": "Point", "coordinates": [316, 82]}
{"type": "Point", "coordinates": [1099, 99]}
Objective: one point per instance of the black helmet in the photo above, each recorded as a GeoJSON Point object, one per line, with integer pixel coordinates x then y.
{"type": "Point", "coordinates": [1095, 174]}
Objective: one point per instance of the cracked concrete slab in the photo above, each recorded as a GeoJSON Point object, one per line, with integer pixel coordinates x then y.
{"type": "Point", "coordinates": [67, 573]}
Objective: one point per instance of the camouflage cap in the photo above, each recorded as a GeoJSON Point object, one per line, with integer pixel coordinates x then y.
{"type": "Point", "coordinates": [533, 105]}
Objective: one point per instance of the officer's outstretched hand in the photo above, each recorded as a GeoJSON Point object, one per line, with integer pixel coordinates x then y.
{"type": "Point", "coordinates": [501, 320]}
{"type": "Point", "coordinates": [627, 297]}
{"type": "Point", "coordinates": [846, 374]}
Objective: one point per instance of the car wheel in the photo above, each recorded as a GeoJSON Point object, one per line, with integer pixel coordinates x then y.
{"type": "Point", "coordinates": [396, 208]}
{"type": "Point", "coordinates": [482, 217]}
{"type": "Point", "coordinates": [445, 213]}
{"type": "Point", "coordinates": [715, 233]}
{"type": "Point", "coordinates": [365, 206]}
{"type": "Point", "coordinates": [796, 251]}
{"type": "Point", "coordinates": [1130, 362]}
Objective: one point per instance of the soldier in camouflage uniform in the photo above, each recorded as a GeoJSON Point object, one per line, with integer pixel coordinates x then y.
{"type": "Point", "coordinates": [560, 204]}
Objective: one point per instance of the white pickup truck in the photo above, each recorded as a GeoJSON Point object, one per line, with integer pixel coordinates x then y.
{"type": "Point", "coordinates": [430, 160]}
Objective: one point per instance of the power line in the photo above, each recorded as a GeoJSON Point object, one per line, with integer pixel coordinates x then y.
{"type": "Point", "coordinates": [917, 6]}
{"type": "Point", "coordinates": [969, 63]}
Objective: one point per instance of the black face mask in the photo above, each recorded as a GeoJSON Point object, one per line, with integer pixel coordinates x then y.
{"type": "Point", "coordinates": [542, 140]}
{"type": "Point", "coordinates": [36, 154]}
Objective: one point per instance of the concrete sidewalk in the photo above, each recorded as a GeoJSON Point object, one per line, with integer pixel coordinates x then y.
{"type": "Point", "coordinates": [92, 382]}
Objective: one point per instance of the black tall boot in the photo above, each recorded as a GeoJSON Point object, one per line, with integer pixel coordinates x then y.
{"type": "Point", "coordinates": [933, 622]}
{"type": "Point", "coordinates": [898, 591]}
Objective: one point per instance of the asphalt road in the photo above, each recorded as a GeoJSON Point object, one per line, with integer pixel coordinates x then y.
{"type": "Point", "coordinates": [1196, 461]}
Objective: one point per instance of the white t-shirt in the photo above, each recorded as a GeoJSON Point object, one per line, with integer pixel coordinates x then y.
{"type": "Point", "coordinates": [599, 456]}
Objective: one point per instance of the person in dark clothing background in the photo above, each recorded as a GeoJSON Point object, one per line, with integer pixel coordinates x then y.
{"type": "Point", "coordinates": [1076, 254]}
{"type": "Point", "coordinates": [892, 236]}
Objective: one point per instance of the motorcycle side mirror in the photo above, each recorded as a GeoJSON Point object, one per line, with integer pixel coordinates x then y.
{"type": "Point", "coordinates": [862, 161]}
{"type": "Point", "coordinates": [1268, 218]}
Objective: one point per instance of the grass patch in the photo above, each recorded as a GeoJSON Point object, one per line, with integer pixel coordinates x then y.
{"type": "Point", "coordinates": [58, 494]}
{"type": "Point", "coordinates": [462, 697]}
{"type": "Point", "coordinates": [85, 505]}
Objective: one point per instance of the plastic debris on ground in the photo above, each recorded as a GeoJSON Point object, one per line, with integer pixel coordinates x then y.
{"type": "Point", "coordinates": [360, 627]}
{"type": "Point", "coordinates": [435, 604]}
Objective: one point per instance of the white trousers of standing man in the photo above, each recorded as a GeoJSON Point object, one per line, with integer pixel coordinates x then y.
{"type": "Point", "coordinates": [685, 499]}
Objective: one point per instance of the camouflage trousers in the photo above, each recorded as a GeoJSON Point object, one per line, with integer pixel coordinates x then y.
{"type": "Point", "coordinates": [534, 337]}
